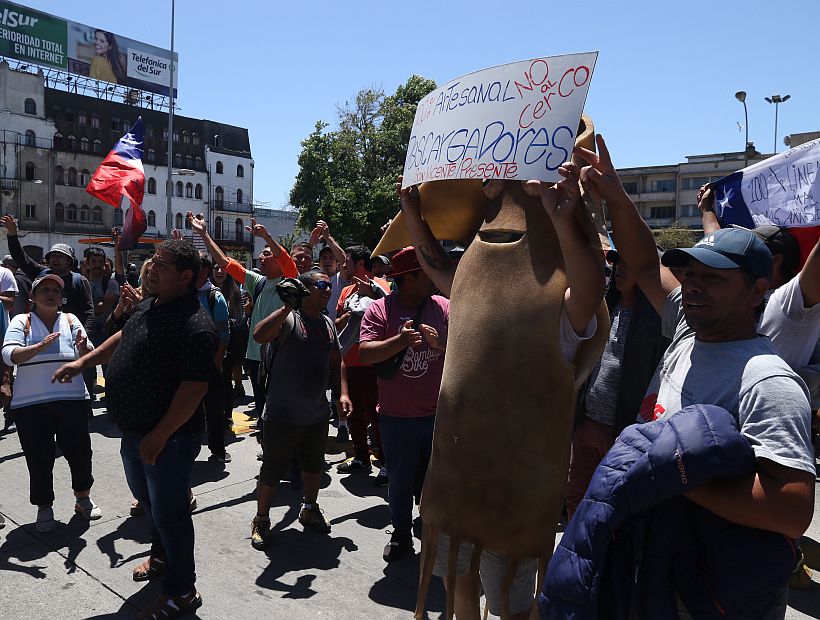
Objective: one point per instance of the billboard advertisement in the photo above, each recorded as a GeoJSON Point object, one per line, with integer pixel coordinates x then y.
{"type": "Point", "coordinates": [42, 39]}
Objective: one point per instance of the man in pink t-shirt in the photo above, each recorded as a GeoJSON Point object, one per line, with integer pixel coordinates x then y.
{"type": "Point", "coordinates": [414, 320]}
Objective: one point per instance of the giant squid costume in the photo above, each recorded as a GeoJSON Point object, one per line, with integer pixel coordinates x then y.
{"type": "Point", "coordinates": [505, 411]}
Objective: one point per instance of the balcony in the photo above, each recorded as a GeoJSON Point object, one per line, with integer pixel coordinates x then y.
{"type": "Point", "coordinates": [93, 228]}
{"type": "Point", "coordinates": [226, 233]}
{"type": "Point", "coordinates": [231, 207]}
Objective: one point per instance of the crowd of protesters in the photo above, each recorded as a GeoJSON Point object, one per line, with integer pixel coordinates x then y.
{"type": "Point", "coordinates": [739, 312]}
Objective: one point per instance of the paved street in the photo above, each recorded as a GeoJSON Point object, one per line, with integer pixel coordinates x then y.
{"type": "Point", "coordinates": [85, 572]}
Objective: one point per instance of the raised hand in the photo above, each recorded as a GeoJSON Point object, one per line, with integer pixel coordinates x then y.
{"type": "Point", "coordinates": [177, 234]}
{"type": "Point", "coordinates": [600, 175]}
{"type": "Point", "coordinates": [706, 199]}
{"type": "Point", "coordinates": [10, 224]}
{"type": "Point", "coordinates": [409, 198]}
{"type": "Point", "coordinates": [115, 236]}
{"type": "Point", "coordinates": [197, 223]}
{"type": "Point", "coordinates": [364, 288]}
{"type": "Point", "coordinates": [257, 230]}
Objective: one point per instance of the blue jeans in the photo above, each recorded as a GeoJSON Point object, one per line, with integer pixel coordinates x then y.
{"type": "Point", "coordinates": [407, 442]}
{"type": "Point", "coordinates": [163, 489]}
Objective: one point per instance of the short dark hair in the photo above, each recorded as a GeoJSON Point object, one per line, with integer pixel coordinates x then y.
{"type": "Point", "coordinates": [360, 252]}
{"type": "Point", "coordinates": [783, 242]}
{"type": "Point", "coordinates": [302, 245]}
{"type": "Point", "coordinates": [309, 277]}
{"type": "Point", "coordinates": [327, 248]}
{"type": "Point", "coordinates": [89, 252]}
{"type": "Point", "coordinates": [206, 262]}
{"type": "Point", "coordinates": [186, 256]}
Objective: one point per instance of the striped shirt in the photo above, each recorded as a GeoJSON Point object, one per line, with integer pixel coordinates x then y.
{"type": "Point", "coordinates": [32, 383]}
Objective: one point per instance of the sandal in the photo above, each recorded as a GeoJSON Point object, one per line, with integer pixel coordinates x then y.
{"type": "Point", "coordinates": [150, 569]}
{"type": "Point", "coordinates": [171, 606]}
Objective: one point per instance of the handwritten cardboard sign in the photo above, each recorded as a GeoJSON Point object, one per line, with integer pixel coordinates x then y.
{"type": "Point", "coordinates": [514, 121]}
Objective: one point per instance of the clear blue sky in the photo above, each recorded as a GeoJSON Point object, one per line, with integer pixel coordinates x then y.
{"type": "Point", "coordinates": [663, 87]}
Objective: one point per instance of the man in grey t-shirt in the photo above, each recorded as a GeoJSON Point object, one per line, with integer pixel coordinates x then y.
{"type": "Point", "coordinates": [296, 410]}
{"type": "Point", "coordinates": [716, 357]}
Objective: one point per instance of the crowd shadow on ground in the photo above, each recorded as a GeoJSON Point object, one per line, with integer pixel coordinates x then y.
{"type": "Point", "coordinates": [137, 601]}
{"type": "Point", "coordinates": [25, 544]}
{"type": "Point", "coordinates": [398, 588]}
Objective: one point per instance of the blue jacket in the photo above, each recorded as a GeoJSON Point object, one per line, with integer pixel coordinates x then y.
{"type": "Point", "coordinates": [635, 543]}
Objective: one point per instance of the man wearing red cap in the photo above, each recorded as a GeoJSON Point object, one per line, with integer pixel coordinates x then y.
{"type": "Point", "coordinates": [408, 331]}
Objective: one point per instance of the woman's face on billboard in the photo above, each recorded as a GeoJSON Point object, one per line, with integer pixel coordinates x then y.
{"type": "Point", "coordinates": [100, 43]}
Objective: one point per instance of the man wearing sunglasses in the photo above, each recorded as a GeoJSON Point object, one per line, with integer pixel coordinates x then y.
{"type": "Point", "coordinates": [297, 413]}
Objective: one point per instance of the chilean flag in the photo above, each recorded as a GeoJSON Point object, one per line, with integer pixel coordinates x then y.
{"type": "Point", "coordinates": [783, 190]}
{"type": "Point", "coordinates": [121, 174]}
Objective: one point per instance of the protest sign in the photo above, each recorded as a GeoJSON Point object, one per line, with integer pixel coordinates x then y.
{"type": "Point", "coordinates": [514, 121]}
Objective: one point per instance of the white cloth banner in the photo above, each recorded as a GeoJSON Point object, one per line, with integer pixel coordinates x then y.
{"type": "Point", "coordinates": [515, 121]}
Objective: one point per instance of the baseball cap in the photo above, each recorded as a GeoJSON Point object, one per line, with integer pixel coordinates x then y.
{"type": "Point", "coordinates": [48, 276]}
{"type": "Point", "coordinates": [727, 248]}
{"type": "Point", "coordinates": [404, 261]}
{"type": "Point", "coordinates": [780, 241]}
{"type": "Point", "coordinates": [62, 248]}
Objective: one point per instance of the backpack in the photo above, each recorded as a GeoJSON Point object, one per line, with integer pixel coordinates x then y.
{"type": "Point", "coordinates": [269, 349]}
{"type": "Point", "coordinates": [257, 290]}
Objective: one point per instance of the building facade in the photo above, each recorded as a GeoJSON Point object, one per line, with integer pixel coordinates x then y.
{"type": "Point", "coordinates": [51, 141]}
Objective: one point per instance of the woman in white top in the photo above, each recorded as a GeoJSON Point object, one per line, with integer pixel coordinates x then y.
{"type": "Point", "coordinates": [46, 413]}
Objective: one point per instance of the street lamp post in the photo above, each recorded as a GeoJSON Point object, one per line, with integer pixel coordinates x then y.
{"type": "Point", "coordinates": [741, 96]}
{"type": "Point", "coordinates": [169, 190]}
{"type": "Point", "coordinates": [777, 100]}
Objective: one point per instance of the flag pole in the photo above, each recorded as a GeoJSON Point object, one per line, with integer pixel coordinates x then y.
{"type": "Point", "coordinates": [169, 190]}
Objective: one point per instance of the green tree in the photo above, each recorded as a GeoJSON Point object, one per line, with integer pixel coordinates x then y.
{"type": "Point", "coordinates": [675, 236]}
{"type": "Point", "coordinates": [346, 176]}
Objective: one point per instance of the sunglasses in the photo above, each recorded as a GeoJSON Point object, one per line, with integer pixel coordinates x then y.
{"type": "Point", "coordinates": [322, 285]}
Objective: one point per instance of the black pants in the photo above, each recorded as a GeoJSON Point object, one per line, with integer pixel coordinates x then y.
{"type": "Point", "coordinates": [258, 392]}
{"type": "Point", "coordinates": [38, 426]}
{"type": "Point", "coordinates": [215, 413]}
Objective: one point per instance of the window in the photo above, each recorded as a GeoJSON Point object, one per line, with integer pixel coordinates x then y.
{"type": "Point", "coordinates": [115, 123]}
{"type": "Point", "coordinates": [195, 138]}
{"type": "Point", "coordinates": [72, 213]}
{"type": "Point", "coordinates": [152, 218]}
{"type": "Point", "coordinates": [186, 137]}
{"type": "Point", "coordinates": [177, 160]}
{"type": "Point", "coordinates": [631, 187]}
{"type": "Point", "coordinates": [85, 177]}
{"type": "Point", "coordinates": [30, 106]}
{"type": "Point", "coordinates": [71, 143]}
{"type": "Point", "coordinates": [662, 213]}
{"type": "Point", "coordinates": [95, 121]}
{"type": "Point", "coordinates": [117, 217]}
{"type": "Point", "coordinates": [218, 227]}
{"type": "Point", "coordinates": [189, 162]}
{"type": "Point", "coordinates": [693, 182]}
{"type": "Point", "coordinates": [85, 145]}
{"type": "Point", "coordinates": [219, 196]}
{"type": "Point", "coordinates": [69, 116]}
{"type": "Point", "coordinates": [189, 190]}
{"type": "Point", "coordinates": [31, 138]}
{"type": "Point", "coordinates": [72, 176]}
{"type": "Point", "coordinates": [176, 135]}
{"type": "Point", "coordinates": [165, 135]}
{"type": "Point", "coordinates": [197, 163]}
{"type": "Point", "coordinates": [59, 175]}
{"type": "Point", "coordinates": [179, 189]}
{"type": "Point", "coordinates": [58, 140]}
{"type": "Point", "coordinates": [689, 211]}
{"type": "Point", "coordinates": [31, 212]}
{"type": "Point", "coordinates": [31, 171]}
{"type": "Point", "coordinates": [84, 213]}
{"type": "Point", "coordinates": [97, 147]}
{"type": "Point", "coordinates": [198, 191]}
{"type": "Point", "coordinates": [219, 167]}
{"type": "Point", "coordinates": [152, 185]}
{"type": "Point", "coordinates": [178, 221]}
{"type": "Point", "coordinates": [239, 196]}
{"type": "Point", "coordinates": [149, 131]}
{"type": "Point", "coordinates": [59, 212]}
{"type": "Point", "coordinates": [82, 118]}
{"type": "Point", "coordinates": [239, 228]}
{"type": "Point", "coordinates": [240, 171]}
{"type": "Point", "coordinates": [151, 156]}
{"type": "Point", "coordinates": [217, 141]}
{"type": "Point", "coordinates": [96, 214]}
{"type": "Point", "coordinates": [662, 185]}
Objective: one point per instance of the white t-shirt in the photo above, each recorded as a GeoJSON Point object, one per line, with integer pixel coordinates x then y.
{"type": "Point", "coordinates": [794, 329]}
{"type": "Point", "coordinates": [7, 283]}
{"type": "Point", "coordinates": [745, 377]}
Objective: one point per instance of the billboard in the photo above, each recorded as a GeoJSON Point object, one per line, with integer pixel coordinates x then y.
{"type": "Point", "coordinates": [42, 39]}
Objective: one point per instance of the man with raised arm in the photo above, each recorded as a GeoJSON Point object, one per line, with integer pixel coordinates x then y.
{"type": "Point", "coordinates": [274, 263]}
{"type": "Point", "coordinates": [331, 259]}
{"type": "Point", "coordinates": [717, 357]}
{"type": "Point", "coordinates": [585, 276]}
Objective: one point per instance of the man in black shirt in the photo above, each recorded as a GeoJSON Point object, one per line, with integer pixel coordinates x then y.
{"type": "Point", "coordinates": [158, 372]}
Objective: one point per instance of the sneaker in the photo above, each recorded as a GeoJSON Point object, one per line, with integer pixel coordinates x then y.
{"type": "Point", "coordinates": [88, 509]}
{"type": "Point", "coordinates": [352, 466]}
{"type": "Point", "coordinates": [342, 436]}
{"type": "Point", "coordinates": [399, 546]}
{"type": "Point", "coordinates": [225, 457]}
{"type": "Point", "coordinates": [314, 519]}
{"type": "Point", "coordinates": [136, 508]}
{"type": "Point", "coordinates": [381, 479]}
{"type": "Point", "coordinates": [260, 533]}
{"type": "Point", "coordinates": [45, 520]}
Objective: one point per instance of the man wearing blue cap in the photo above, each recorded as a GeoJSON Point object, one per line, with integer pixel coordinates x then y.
{"type": "Point", "coordinates": [709, 308]}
